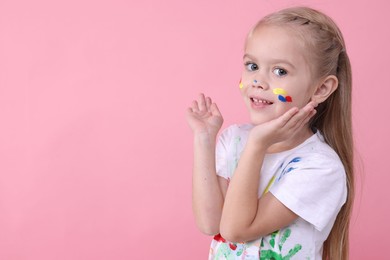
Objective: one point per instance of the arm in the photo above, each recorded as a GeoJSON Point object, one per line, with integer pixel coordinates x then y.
{"type": "Point", "coordinates": [207, 191]}
{"type": "Point", "coordinates": [246, 217]}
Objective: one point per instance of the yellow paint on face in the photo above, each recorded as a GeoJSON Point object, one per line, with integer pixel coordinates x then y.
{"type": "Point", "coordinates": [241, 85]}
{"type": "Point", "coordinates": [279, 91]}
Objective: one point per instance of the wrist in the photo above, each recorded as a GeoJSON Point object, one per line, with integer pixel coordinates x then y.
{"type": "Point", "coordinates": [257, 146]}
{"type": "Point", "coordinates": [205, 138]}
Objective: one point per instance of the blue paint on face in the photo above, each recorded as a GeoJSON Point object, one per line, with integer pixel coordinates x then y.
{"type": "Point", "coordinates": [281, 98]}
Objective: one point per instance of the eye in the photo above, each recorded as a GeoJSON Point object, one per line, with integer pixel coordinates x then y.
{"type": "Point", "coordinates": [280, 72]}
{"type": "Point", "coordinates": [251, 66]}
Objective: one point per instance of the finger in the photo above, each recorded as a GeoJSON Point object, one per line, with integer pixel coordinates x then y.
{"type": "Point", "coordinates": [286, 117]}
{"type": "Point", "coordinates": [202, 102]}
{"type": "Point", "coordinates": [215, 110]}
{"type": "Point", "coordinates": [310, 106]}
{"type": "Point", "coordinates": [313, 103]}
{"type": "Point", "coordinates": [303, 117]}
{"type": "Point", "coordinates": [310, 116]}
{"type": "Point", "coordinates": [306, 119]}
{"type": "Point", "coordinates": [189, 111]}
{"type": "Point", "coordinates": [292, 123]}
{"type": "Point", "coordinates": [302, 113]}
{"type": "Point", "coordinates": [190, 115]}
{"type": "Point", "coordinates": [208, 103]}
{"type": "Point", "coordinates": [195, 106]}
{"type": "Point", "coordinates": [309, 111]}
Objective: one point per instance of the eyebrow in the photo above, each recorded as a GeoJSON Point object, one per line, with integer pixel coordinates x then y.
{"type": "Point", "coordinates": [249, 56]}
{"type": "Point", "coordinates": [283, 61]}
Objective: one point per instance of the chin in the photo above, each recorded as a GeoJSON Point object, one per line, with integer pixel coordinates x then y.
{"type": "Point", "coordinates": [259, 120]}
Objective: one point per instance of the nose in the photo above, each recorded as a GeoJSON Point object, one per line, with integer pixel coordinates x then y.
{"type": "Point", "coordinates": [258, 84]}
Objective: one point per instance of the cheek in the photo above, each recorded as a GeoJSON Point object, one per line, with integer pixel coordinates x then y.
{"type": "Point", "coordinates": [240, 84]}
{"type": "Point", "coordinates": [282, 108]}
{"type": "Point", "coordinates": [302, 97]}
{"type": "Point", "coordinates": [282, 95]}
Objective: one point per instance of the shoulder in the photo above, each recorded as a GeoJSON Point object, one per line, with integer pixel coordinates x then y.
{"type": "Point", "coordinates": [315, 160]}
{"type": "Point", "coordinates": [314, 153]}
{"type": "Point", "coordinates": [319, 154]}
{"type": "Point", "coordinates": [312, 182]}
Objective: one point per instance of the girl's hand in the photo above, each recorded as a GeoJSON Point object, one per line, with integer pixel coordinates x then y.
{"type": "Point", "coordinates": [204, 116]}
{"type": "Point", "coordinates": [283, 127]}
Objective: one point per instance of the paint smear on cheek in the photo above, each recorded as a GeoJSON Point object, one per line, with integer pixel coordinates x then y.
{"type": "Point", "coordinates": [241, 85]}
{"type": "Point", "coordinates": [282, 95]}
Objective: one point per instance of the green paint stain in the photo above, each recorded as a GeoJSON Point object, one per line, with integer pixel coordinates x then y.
{"type": "Point", "coordinates": [237, 140]}
{"type": "Point", "coordinates": [272, 240]}
{"type": "Point", "coordinates": [285, 235]}
{"type": "Point", "coordinates": [223, 252]}
{"type": "Point", "coordinates": [292, 252]}
{"type": "Point", "coordinates": [239, 252]}
{"type": "Point", "coordinates": [272, 255]}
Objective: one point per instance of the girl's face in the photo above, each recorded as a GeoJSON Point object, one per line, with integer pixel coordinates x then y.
{"type": "Point", "coordinates": [275, 64]}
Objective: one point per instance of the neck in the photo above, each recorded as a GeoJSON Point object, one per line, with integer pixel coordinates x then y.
{"type": "Point", "coordinates": [292, 142]}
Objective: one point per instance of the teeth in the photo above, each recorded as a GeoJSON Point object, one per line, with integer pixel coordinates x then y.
{"type": "Point", "coordinates": [261, 101]}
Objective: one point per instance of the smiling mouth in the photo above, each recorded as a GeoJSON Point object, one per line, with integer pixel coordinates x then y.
{"type": "Point", "coordinates": [258, 101]}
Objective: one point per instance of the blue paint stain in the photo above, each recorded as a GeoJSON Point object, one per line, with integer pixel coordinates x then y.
{"type": "Point", "coordinates": [296, 159]}
{"type": "Point", "coordinates": [288, 168]}
{"type": "Point", "coordinates": [281, 98]}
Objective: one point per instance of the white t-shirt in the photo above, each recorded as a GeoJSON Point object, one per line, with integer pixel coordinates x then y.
{"type": "Point", "coordinates": [309, 179]}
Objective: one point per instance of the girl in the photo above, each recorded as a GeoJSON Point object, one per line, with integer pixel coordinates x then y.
{"type": "Point", "coordinates": [282, 186]}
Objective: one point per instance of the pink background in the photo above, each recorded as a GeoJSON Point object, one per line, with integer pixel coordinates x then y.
{"type": "Point", "coordinates": [95, 153]}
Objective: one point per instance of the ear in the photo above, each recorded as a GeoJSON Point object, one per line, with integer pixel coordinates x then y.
{"type": "Point", "coordinates": [325, 89]}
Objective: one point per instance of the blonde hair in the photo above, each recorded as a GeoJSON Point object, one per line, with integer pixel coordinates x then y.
{"type": "Point", "coordinates": [322, 37]}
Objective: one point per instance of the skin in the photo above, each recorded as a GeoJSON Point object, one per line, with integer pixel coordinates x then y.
{"type": "Point", "coordinates": [208, 190]}
{"type": "Point", "coordinates": [275, 59]}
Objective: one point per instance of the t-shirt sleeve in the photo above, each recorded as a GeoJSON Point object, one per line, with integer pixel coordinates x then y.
{"type": "Point", "coordinates": [313, 187]}
{"type": "Point", "coordinates": [221, 154]}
